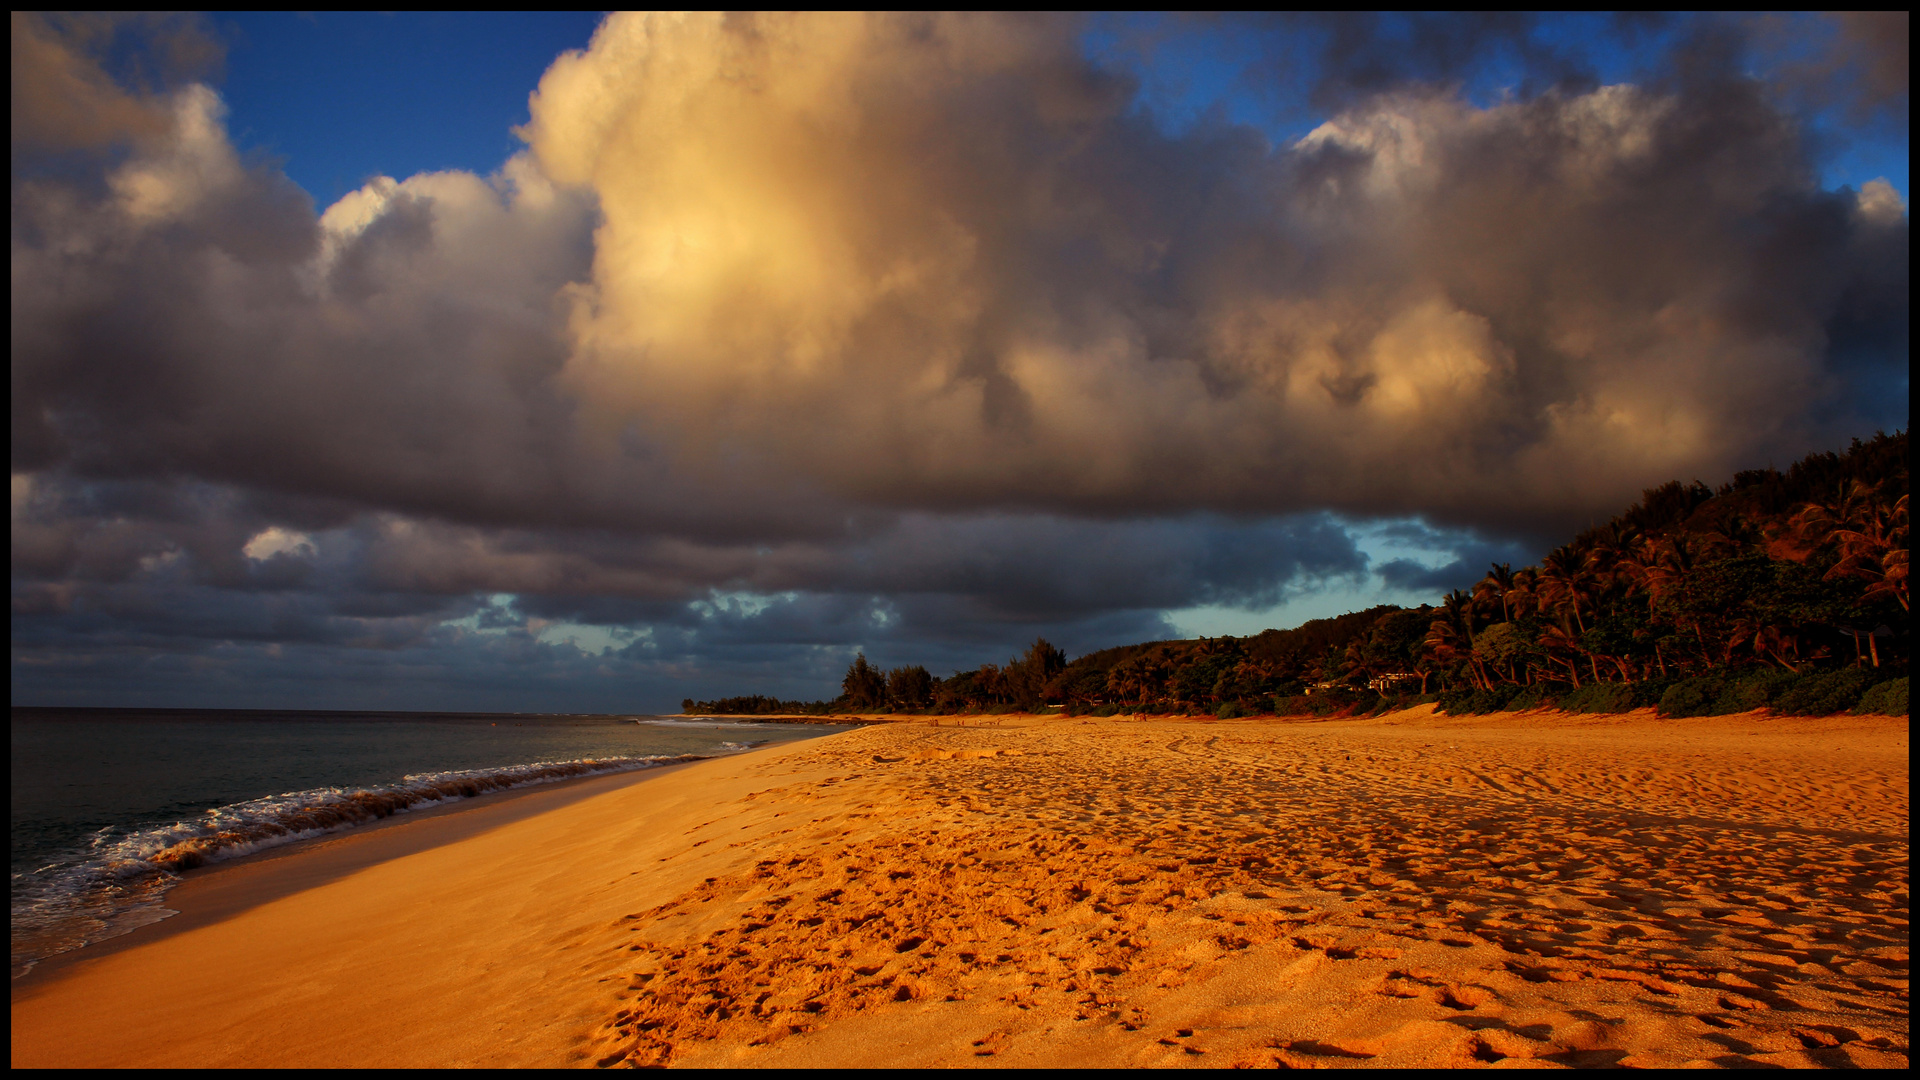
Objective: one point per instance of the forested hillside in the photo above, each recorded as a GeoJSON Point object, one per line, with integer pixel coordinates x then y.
{"type": "Point", "coordinates": [1783, 589]}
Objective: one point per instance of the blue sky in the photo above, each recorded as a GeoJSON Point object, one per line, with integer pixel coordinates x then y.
{"type": "Point", "coordinates": [341, 97]}
{"type": "Point", "coordinates": [772, 350]}
{"type": "Point", "coordinates": [344, 96]}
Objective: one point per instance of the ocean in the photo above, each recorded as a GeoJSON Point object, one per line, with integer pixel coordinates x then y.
{"type": "Point", "coordinates": [110, 806]}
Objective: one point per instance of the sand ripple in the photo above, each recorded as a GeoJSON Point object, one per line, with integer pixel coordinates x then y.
{"type": "Point", "coordinates": [1398, 893]}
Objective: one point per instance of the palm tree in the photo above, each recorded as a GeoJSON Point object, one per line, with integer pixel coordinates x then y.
{"type": "Point", "coordinates": [1497, 583]}
{"type": "Point", "coordinates": [1459, 606]}
{"type": "Point", "coordinates": [1817, 522]}
{"type": "Point", "coordinates": [1673, 560]}
{"type": "Point", "coordinates": [1524, 596]}
{"type": "Point", "coordinates": [1870, 534]}
{"type": "Point", "coordinates": [1121, 682]}
{"type": "Point", "coordinates": [1734, 534]}
{"type": "Point", "coordinates": [1564, 578]}
{"type": "Point", "coordinates": [1771, 641]}
{"type": "Point", "coordinates": [1444, 643]}
{"type": "Point", "coordinates": [1556, 640]}
{"type": "Point", "coordinates": [1636, 567]}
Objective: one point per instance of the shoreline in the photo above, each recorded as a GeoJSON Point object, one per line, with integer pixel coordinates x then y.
{"type": "Point", "coordinates": [1426, 711]}
{"type": "Point", "coordinates": [400, 959]}
{"type": "Point", "coordinates": [214, 891]}
{"type": "Point", "coordinates": [1399, 890]}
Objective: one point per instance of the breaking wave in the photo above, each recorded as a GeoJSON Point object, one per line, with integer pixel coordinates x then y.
{"type": "Point", "coordinates": [115, 884]}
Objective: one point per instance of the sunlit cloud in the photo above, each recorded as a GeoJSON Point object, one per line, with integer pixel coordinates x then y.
{"type": "Point", "coordinates": [274, 540]}
{"type": "Point", "coordinates": [815, 332]}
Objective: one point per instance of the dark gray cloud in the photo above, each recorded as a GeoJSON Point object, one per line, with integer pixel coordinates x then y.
{"type": "Point", "coordinates": [1472, 556]}
{"type": "Point", "coordinates": [87, 80]}
{"type": "Point", "coordinates": [131, 577]}
{"type": "Point", "coordinates": [1358, 54]}
{"type": "Point", "coordinates": [1857, 62]}
{"type": "Point", "coordinates": [902, 331]}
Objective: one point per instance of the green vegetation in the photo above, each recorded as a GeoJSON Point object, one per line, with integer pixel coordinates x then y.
{"type": "Point", "coordinates": [1780, 590]}
{"type": "Point", "coordinates": [756, 705]}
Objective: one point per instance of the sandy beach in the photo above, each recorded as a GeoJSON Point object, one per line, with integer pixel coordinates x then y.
{"type": "Point", "coordinates": [1526, 889]}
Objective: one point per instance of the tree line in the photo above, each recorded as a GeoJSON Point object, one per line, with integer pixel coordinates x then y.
{"type": "Point", "coordinates": [1785, 589]}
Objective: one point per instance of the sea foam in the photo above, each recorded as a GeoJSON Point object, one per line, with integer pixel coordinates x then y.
{"type": "Point", "coordinates": [116, 883]}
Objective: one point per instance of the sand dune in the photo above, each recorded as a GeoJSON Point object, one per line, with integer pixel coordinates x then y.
{"type": "Point", "coordinates": [1410, 890]}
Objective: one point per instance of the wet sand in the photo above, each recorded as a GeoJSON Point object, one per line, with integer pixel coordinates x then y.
{"type": "Point", "coordinates": [1053, 891]}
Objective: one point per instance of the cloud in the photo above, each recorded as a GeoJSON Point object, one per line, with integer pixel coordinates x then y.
{"type": "Point", "coordinates": [912, 327]}
{"type": "Point", "coordinates": [140, 571]}
{"type": "Point", "coordinates": [65, 98]}
{"type": "Point", "coordinates": [1880, 44]}
{"type": "Point", "coordinates": [275, 541]}
{"type": "Point", "coordinates": [1451, 559]}
{"type": "Point", "coordinates": [1856, 61]}
{"type": "Point", "coordinates": [938, 262]}
{"type": "Point", "coordinates": [756, 267]}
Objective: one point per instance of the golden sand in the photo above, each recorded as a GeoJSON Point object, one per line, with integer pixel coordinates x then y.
{"type": "Point", "coordinates": [1052, 891]}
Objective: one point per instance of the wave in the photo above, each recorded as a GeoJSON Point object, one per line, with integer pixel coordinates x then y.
{"type": "Point", "coordinates": [116, 883]}
{"type": "Point", "coordinates": [702, 722]}
{"type": "Point", "coordinates": [247, 827]}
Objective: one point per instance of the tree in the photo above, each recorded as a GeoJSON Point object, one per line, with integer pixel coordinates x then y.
{"type": "Point", "coordinates": [1447, 641]}
{"type": "Point", "coordinates": [962, 691]}
{"type": "Point", "coordinates": [1557, 642]}
{"type": "Point", "coordinates": [1870, 535]}
{"type": "Point", "coordinates": [909, 687]}
{"type": "Point", "coordinates": [1027, 676]}
{"type": "Point", "coordinates": [864, 687]}
{"type": "Point", "coordinates": [1044, 660]}
{"type": "Point", "coordinates": [1498, 648]}
{"type": "Point", "coordinates": [1083, 685]}
{"type": "Point", "coordinates": [1130, 680]}
{"type": "Point", "coordinates": [1495, 586]}
{"type": "Point", "coordinates": [1563, 581]}
{"type": "Point", "coordinates": [1687, 582]}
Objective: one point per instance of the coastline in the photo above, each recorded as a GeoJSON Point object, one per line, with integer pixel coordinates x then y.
{"type": "Point", "coordinates": [218, 890]}
{"type": "Point", "coordinates": [1466, 892]}
{"type": "Point", "coordinates": [385, 962]}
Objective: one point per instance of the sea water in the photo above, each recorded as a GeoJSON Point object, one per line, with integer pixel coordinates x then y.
{"type": "Point", "coordinates": [110, 806]}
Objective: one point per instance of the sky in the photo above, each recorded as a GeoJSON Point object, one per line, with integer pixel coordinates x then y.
{"type": "Point", "coordinates": [581, 363]}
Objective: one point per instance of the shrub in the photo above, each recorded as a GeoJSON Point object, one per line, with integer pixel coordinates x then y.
{"type": "Point", "coordinates": [1402, 701]}
{"type": "Point", "coordinates": [1753, 691]}
{"type": "Point", "coordinates": [1824, 694]}
{"type": "Point", "coordinates": [1692, 697]}
{"type": "Point", "coordinates": [1537, 696]}
{"type": "Point", "coordinates": [1324, 703]}
{"type": "Point", "coordinates": [1600, 698]}
{"type": "Point", "coordinates": [1648, 692]}
{"type": "Point", "coordinates": [1231, 711]}
{"type": "Point", "coordinates": [1888, 698]}
{"type": "Point", "coordinates": [1477, 702]}
{"type": "Point", "coordinates": [1293, 705]}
